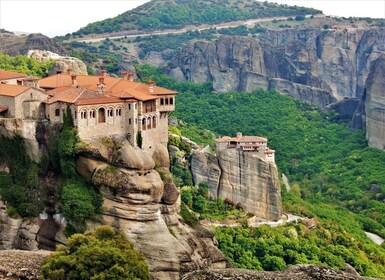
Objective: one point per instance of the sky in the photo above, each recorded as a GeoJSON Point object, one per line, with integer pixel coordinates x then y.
{"type": "Point", "coordinates": [58, 17]}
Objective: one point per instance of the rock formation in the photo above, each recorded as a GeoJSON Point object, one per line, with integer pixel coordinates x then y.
{"type": "Point", "coordinates": [375, 105]}
{"type": "Point", "coordinates": [12, 44]}
{"type": "Point", "coordinates": [320, 66]}
{"type": "Point", "coordinates": [62, 63]}
{"type": "Point", "coordinates": [298, 272]}
{"type": "Point", "coordinates": [141, 200]}
{"type": "Point", "coordinates": [241, 177]}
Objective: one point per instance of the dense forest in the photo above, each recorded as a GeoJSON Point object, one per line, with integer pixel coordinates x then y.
{"type": "Point", "coordinates": [174, 14]}
{"type": "Point", "coordinates": [26, 65]}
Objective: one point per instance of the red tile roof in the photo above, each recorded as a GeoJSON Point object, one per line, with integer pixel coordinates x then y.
{"type": "Point", "coordinates": [242, 139]}
{"type": "Point", "coordinates": [12, 90]}
{"type": "Point", "coordinates": [115, 86]}
{"type": "Point", "coordinates": [6, 75]}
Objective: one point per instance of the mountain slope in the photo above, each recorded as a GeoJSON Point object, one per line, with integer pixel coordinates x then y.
{"type": "Point", "coordinates": [172, 14]}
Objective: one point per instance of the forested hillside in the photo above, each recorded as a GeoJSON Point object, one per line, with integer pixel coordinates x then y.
{"type": "Point", "coordinates": [335, 178]}
{"type": "Point", "coordinates": [174, 14]}
{"type": "Point", "coordinates": [23, 64]}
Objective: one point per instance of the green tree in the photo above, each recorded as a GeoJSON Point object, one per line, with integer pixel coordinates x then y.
{"type": "Point", "coordinates": [101, 254]}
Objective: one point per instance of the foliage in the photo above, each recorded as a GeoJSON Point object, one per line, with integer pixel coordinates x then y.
{"type": "Point", "coordinates": [275, 248]}
{"type": "Point", "coordinates": [23, 64]}
{"type": "Point", "coordinates": [101, 254]}
{"type": "Point", "coordinates": [178, 13]}
{"type": "Point", "coordinates": [181, 175]}
{"type": "Point", "coordinates": [139, 139]}
{"type": "Point", "coordinates": [20, 190]}
{"type": "Point", "coordinates": [67, 146]}
{"type": "Point", "coordinates": [80, 202]}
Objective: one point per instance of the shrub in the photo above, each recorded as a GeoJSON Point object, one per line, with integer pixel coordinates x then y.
{"type": "Point", "coordinates": [102, 254]}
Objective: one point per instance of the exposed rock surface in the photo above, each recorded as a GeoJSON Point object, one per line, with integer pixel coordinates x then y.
{"type": "Point", "coordinates": [241, 177]}
{"type": "Point", "coordinates": [142, 202]}
{"type": "Point", "coordinates": [16, 264]}
{"type": "Point", "coordinates": [62, 63]}
{"type": "Point", "coordinates": [14, 44]}
{"type": "Point", "coordinates": [375, 105]}
{"type": "Point", "coordinates": [320, 66]}
{"type": "Point", "coordinates": [297, 272]}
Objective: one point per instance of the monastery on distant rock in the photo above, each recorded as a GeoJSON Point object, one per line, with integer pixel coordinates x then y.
{"type": "Point", "coordinates": [253, 144]}
{"type": "Point", "coordinates": [100, 105]}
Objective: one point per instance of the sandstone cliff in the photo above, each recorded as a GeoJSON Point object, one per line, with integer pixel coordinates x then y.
{"type": "Point", "coordinates": [141, 200]}
{"type": "Point", "coordinates": [375, 105]}
{"type": "Point", "coordinates": [62, 63]}
{"type": "Point", "coordinates": [241, 177]}
{"type": "Point", "coordinates": [309, 64]}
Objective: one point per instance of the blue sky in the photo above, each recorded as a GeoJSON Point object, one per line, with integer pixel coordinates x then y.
{"type": "Point", "coordinates": [58, 17]}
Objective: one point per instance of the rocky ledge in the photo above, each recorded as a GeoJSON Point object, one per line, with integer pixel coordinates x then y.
{"type": "Point", "coordinates": [17, 264]}
{"type": "Point", "coordinates": [297, 272]}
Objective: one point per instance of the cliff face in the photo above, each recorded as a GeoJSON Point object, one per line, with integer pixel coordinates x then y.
{"type": "Point", "coordinates": [311, 65]}
{"type": "Point", "coordinates": [375, 105]}
{"type": "Point", "coordinates": [142, 205]}
{"type": "Point", "coordinates": [241, 177]}
{"type": "Point", "coordinates": [13, 45]}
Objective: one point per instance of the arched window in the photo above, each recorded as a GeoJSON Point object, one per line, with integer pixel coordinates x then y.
{"type": "Point", "coordinates": [118, 112]}
{"type": "Point", "coordinates": [83, 114]}
{"type": "Point", "coordinates": [149, 123]}
{"type": "Point", "coordinates": [92, 114]}
{"type": "Point", "coordinates": [57, 113]}
{"type": "Point", "coordinates": [110, 112]}
{"type": "Point", "coordinates": [101, 115]}
{"type": "Point", "coordinates": [153, 122]}
{"type": "Point", "coordinates": [144, 124]}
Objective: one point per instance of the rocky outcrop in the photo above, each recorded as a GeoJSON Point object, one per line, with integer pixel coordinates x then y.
{"type": "Point", "coordinates": [28, 130]}
{"type": "Point", "coordinates": [298, 272]}
{"type": "Point", "coordinates": [13, 45]}
{"type": "Point", "coordinates": [320, 66]}
{"type": "Point", "coordinates": [62, 63]}
{"type": "Point", "coordinates": [375, 105]}
{"type": "Point", "coordinates": [141, 200]}
{"type": "Point", "coordinates": [29, 234]}
{"type": "Point", "coordinates": [17, 264]}
{"type": "Point", "coordinates": [241, 177]}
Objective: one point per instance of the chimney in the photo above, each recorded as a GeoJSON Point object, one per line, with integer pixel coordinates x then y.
{"type": "Point", "coordinates": [131, 76]}
{"type": "Point", "coordinates": [239, 134]}
{"type": "Point", "coordinates": [73, 79]}
{"type": "Point", "coordinates": [124, 75]}
{"type": "Point", "coordinates": [101, 85]}
{"type": "Point", "coordinates": [58, 72]}
{"type": "Point", "coordinates": [69, 71]}
{"type": "Point", "coordinates": [104, 73]}
{"type": "Point", "coordinates": [151, 86]}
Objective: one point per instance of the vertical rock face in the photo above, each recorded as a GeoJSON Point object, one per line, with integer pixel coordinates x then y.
{"type": "Point", "coordinates": [241, 177]}
{"type": "Point", "coordinates": [375, 105]}
{"type": "Point", "coordinates": [307, 64]}
{"type": "Point", "coordinates": [142, 201]}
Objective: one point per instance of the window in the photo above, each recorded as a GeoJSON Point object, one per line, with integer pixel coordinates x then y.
{"type": "Point", "coordinates": [171, 101]}
{"type": "Point", "coordinates": [161, 102]}
{"type": "Point", "coordinates": [101, 115]}
{"type": "Point", "coordinates": [76, 114]}
{"type": "Point", "coordinates": [118, 112]}
{"type": "Point", "coordinates": [92, 114]}
{"type": "Point", "coordinates": [153, 122]}
{"type": "Point", "coordinates": [166, 101]}
{"type": "Point", "coordinates": [129, 121]}
{"type": "Point", "coordinates": [110, 112]}
{"type": "Point", "coordinates": [129, 106]}
{"type": "Point", "coordinates": [144, 124]}
{"type": "Point", "coordinates": [149, 123]}
{"type": "Point", "coordinates": [83, 114]}
{"type": "Point", "coordinates": [57, 113]}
